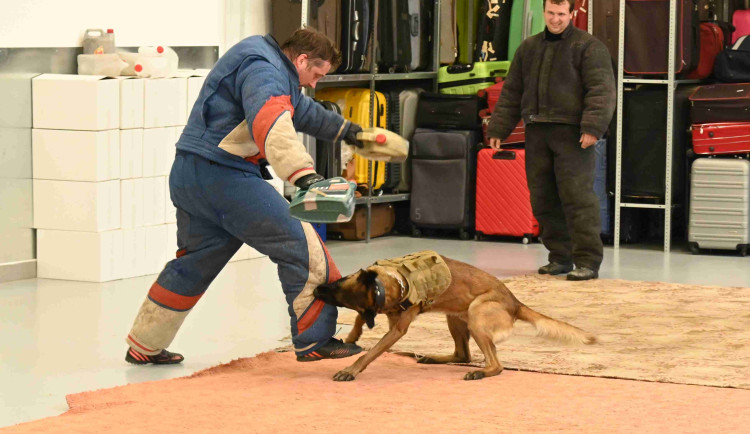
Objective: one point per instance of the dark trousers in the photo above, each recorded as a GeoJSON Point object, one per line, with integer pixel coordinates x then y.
{"type": "Point", "coordinates": [561, 181]}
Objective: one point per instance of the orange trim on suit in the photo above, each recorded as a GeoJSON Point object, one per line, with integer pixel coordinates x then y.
{"type": "Point", "coordinates": [264, 120]}
{"type": "Point", "coordinates": [169, 299]}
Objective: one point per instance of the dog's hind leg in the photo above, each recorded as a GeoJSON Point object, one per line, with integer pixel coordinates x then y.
{"type": "Point", "coordinates": [489, 322]}
{"type": "Point", "coordinates": [460, 332]}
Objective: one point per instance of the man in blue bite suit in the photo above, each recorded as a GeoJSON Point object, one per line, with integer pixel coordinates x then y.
{"type": "Point", "coordinates": [246, 117]}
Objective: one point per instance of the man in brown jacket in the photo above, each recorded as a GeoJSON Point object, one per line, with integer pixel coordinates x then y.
{"type": "Point", "coordinates": [562, 85]}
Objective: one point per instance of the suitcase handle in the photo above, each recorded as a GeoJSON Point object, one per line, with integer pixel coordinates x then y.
{"type": "Point", "coordinates": [460, 68]}
{"type": "Point", "coordinates": [414, 25]}
{"type": "Point", "coordinates": [504, 155]}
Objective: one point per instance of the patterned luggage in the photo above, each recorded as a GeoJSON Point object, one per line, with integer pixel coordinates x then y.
{"type": "Point", "coordinates": [492, 38]}
{"type": "Point", "coordinates": [503, 205]}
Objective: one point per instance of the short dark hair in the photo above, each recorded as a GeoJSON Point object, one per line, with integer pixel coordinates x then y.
{"type": "Point", "coordinates": [318, 47]}
{"type": "Point", "coordinates": [571, 3]}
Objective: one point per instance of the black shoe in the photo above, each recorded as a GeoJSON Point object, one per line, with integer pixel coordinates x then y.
{"type": "Point", "coordinates": [334, 349]}
{"type": "Point", "coordinates": [582, 273]}
{"type": "Point", "coordinates": [554, 269]}
{"type": "Point", "coordinates": [163, 358]}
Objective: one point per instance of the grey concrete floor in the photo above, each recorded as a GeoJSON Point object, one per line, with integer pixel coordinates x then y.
{"type": "Point", "coordinates": [60, 337]}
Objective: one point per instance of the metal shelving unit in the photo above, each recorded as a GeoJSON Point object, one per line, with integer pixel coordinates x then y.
{"type": "Point", "coordinates": [371, 78]}
{"type": "Point", "coordinates": [670, 83]}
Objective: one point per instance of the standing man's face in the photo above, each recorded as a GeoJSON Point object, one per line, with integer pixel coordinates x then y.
{"type": "Point", "coordinates": [557, 17]}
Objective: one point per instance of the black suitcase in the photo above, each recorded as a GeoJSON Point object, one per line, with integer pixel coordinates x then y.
{"type": "Point", "coordinates": [393, 123]}
{"type": "Point", "coordinates": [644, 137]}
{"type": "Point", "coordinates": [355, 32]}
{"type": "Point", "coordinates": [444, 179]}
{"type": "Point", "coordinates": [492, 35]}
{"type": "Point", "coordinates": [449, 111]}
{"type": "Point", "coordinates": [721, 102]}
{"type": "Point", "coordinates": [328, 154]}
{"type": "Point", "coordinates": [404, 34]}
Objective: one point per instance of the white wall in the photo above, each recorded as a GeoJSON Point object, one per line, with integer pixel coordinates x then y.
{"type": "Point", "coordinates": [243, 18]}
{"type": "Point", "coordinates": [61, 23]}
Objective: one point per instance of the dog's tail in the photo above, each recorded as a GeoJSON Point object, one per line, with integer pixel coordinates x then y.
{"type": "Point", "coordinates": [554, 329]}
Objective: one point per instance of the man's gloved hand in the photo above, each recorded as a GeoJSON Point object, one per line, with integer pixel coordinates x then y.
{"type": "Point", "coordinates": [306, 181]}
{"type": "Point", "coordinates": [351, 136]}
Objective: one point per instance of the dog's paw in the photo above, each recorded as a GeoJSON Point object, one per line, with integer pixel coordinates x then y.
{"type": "Point", "coordinates": [427, 360]}
{"type": "Point", "coordinates": [474, 375]}
{"type": "Point", "coordinates": [343, 376]}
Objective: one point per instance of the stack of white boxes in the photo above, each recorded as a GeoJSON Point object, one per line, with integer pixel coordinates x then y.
{"type": "Point", "coordinates": [102, 152]}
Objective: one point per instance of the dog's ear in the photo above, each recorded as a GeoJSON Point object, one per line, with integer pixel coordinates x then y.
{"type": "Point", "coordinates": [367, 278]}
{"type": "Point", "coordinates": [369, 317]}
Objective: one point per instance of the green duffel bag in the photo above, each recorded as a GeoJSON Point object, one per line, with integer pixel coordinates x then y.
{"type": "Point", "coordinates": [327, 201]}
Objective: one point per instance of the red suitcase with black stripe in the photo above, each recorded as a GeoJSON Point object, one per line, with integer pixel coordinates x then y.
{"type": "Point", "coordinates": [503, 204]}
{"type": "Point", "coordinates": [493, 95]}
{"type": "Point", "coordinates": [721, 138]}
{"type": "Point", "coordinates": [518, 135]}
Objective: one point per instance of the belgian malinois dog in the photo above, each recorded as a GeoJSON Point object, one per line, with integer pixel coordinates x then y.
{"type": "Point", "coordinates": [476, 304]}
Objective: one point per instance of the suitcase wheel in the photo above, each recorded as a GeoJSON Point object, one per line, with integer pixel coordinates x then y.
{"type": "Point", "coordinates": [526, 240]}
{"type": "Point", "coordinates": [416, 232]}
{"type": "Point", "coordinates": [694, 248]}
{"type": "Point", "coordinates": [743, 250]}
{"type": "Point", "coordinates": [464, 235]}
{"type": "Point", "coordinates": [480, 236]}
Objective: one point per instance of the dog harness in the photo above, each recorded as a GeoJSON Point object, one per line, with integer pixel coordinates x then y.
{"type": "Point", "coordinates": [426, 273]}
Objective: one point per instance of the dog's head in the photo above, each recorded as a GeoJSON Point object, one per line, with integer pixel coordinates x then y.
{"type": "Point", "coordinates": [364, 291]}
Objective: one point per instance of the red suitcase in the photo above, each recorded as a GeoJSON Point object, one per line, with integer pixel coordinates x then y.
{"type": "Point", "coordinates": [721, 138]}
{"type": "Point", "coordinates": [581, 14]}
{"type": "Point", "coordinates": [712, 43]}
{"type": "Point", "coordinates": [518, 135]}
{"type": "Point", "coordinates": [492, 93]}
{"type": "Point", "coordinates": [503, 203]}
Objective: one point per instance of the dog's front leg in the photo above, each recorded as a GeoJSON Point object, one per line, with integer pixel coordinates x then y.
{"type": "Point", "coordinates": [394, 334]}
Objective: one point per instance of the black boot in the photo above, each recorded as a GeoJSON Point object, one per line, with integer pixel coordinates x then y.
{"type": "Point", "coordinates": [583, 273]}
{"type": "Point", "coordinates": [334, 349]}
{"type": "Point", "coordinates": [554, 268]}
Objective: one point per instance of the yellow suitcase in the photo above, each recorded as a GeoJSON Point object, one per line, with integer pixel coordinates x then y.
{"type": "Point", "coordinates": [355, 106]}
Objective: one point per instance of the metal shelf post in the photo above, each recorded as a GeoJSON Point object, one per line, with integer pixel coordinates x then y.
{"type": "Point", "coordinates": [671, 84]}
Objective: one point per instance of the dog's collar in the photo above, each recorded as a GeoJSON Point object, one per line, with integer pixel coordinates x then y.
{"type": "Point", "coordinates": [379, 293]}
{"type": "Point", "coordinates": [404, 302]}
